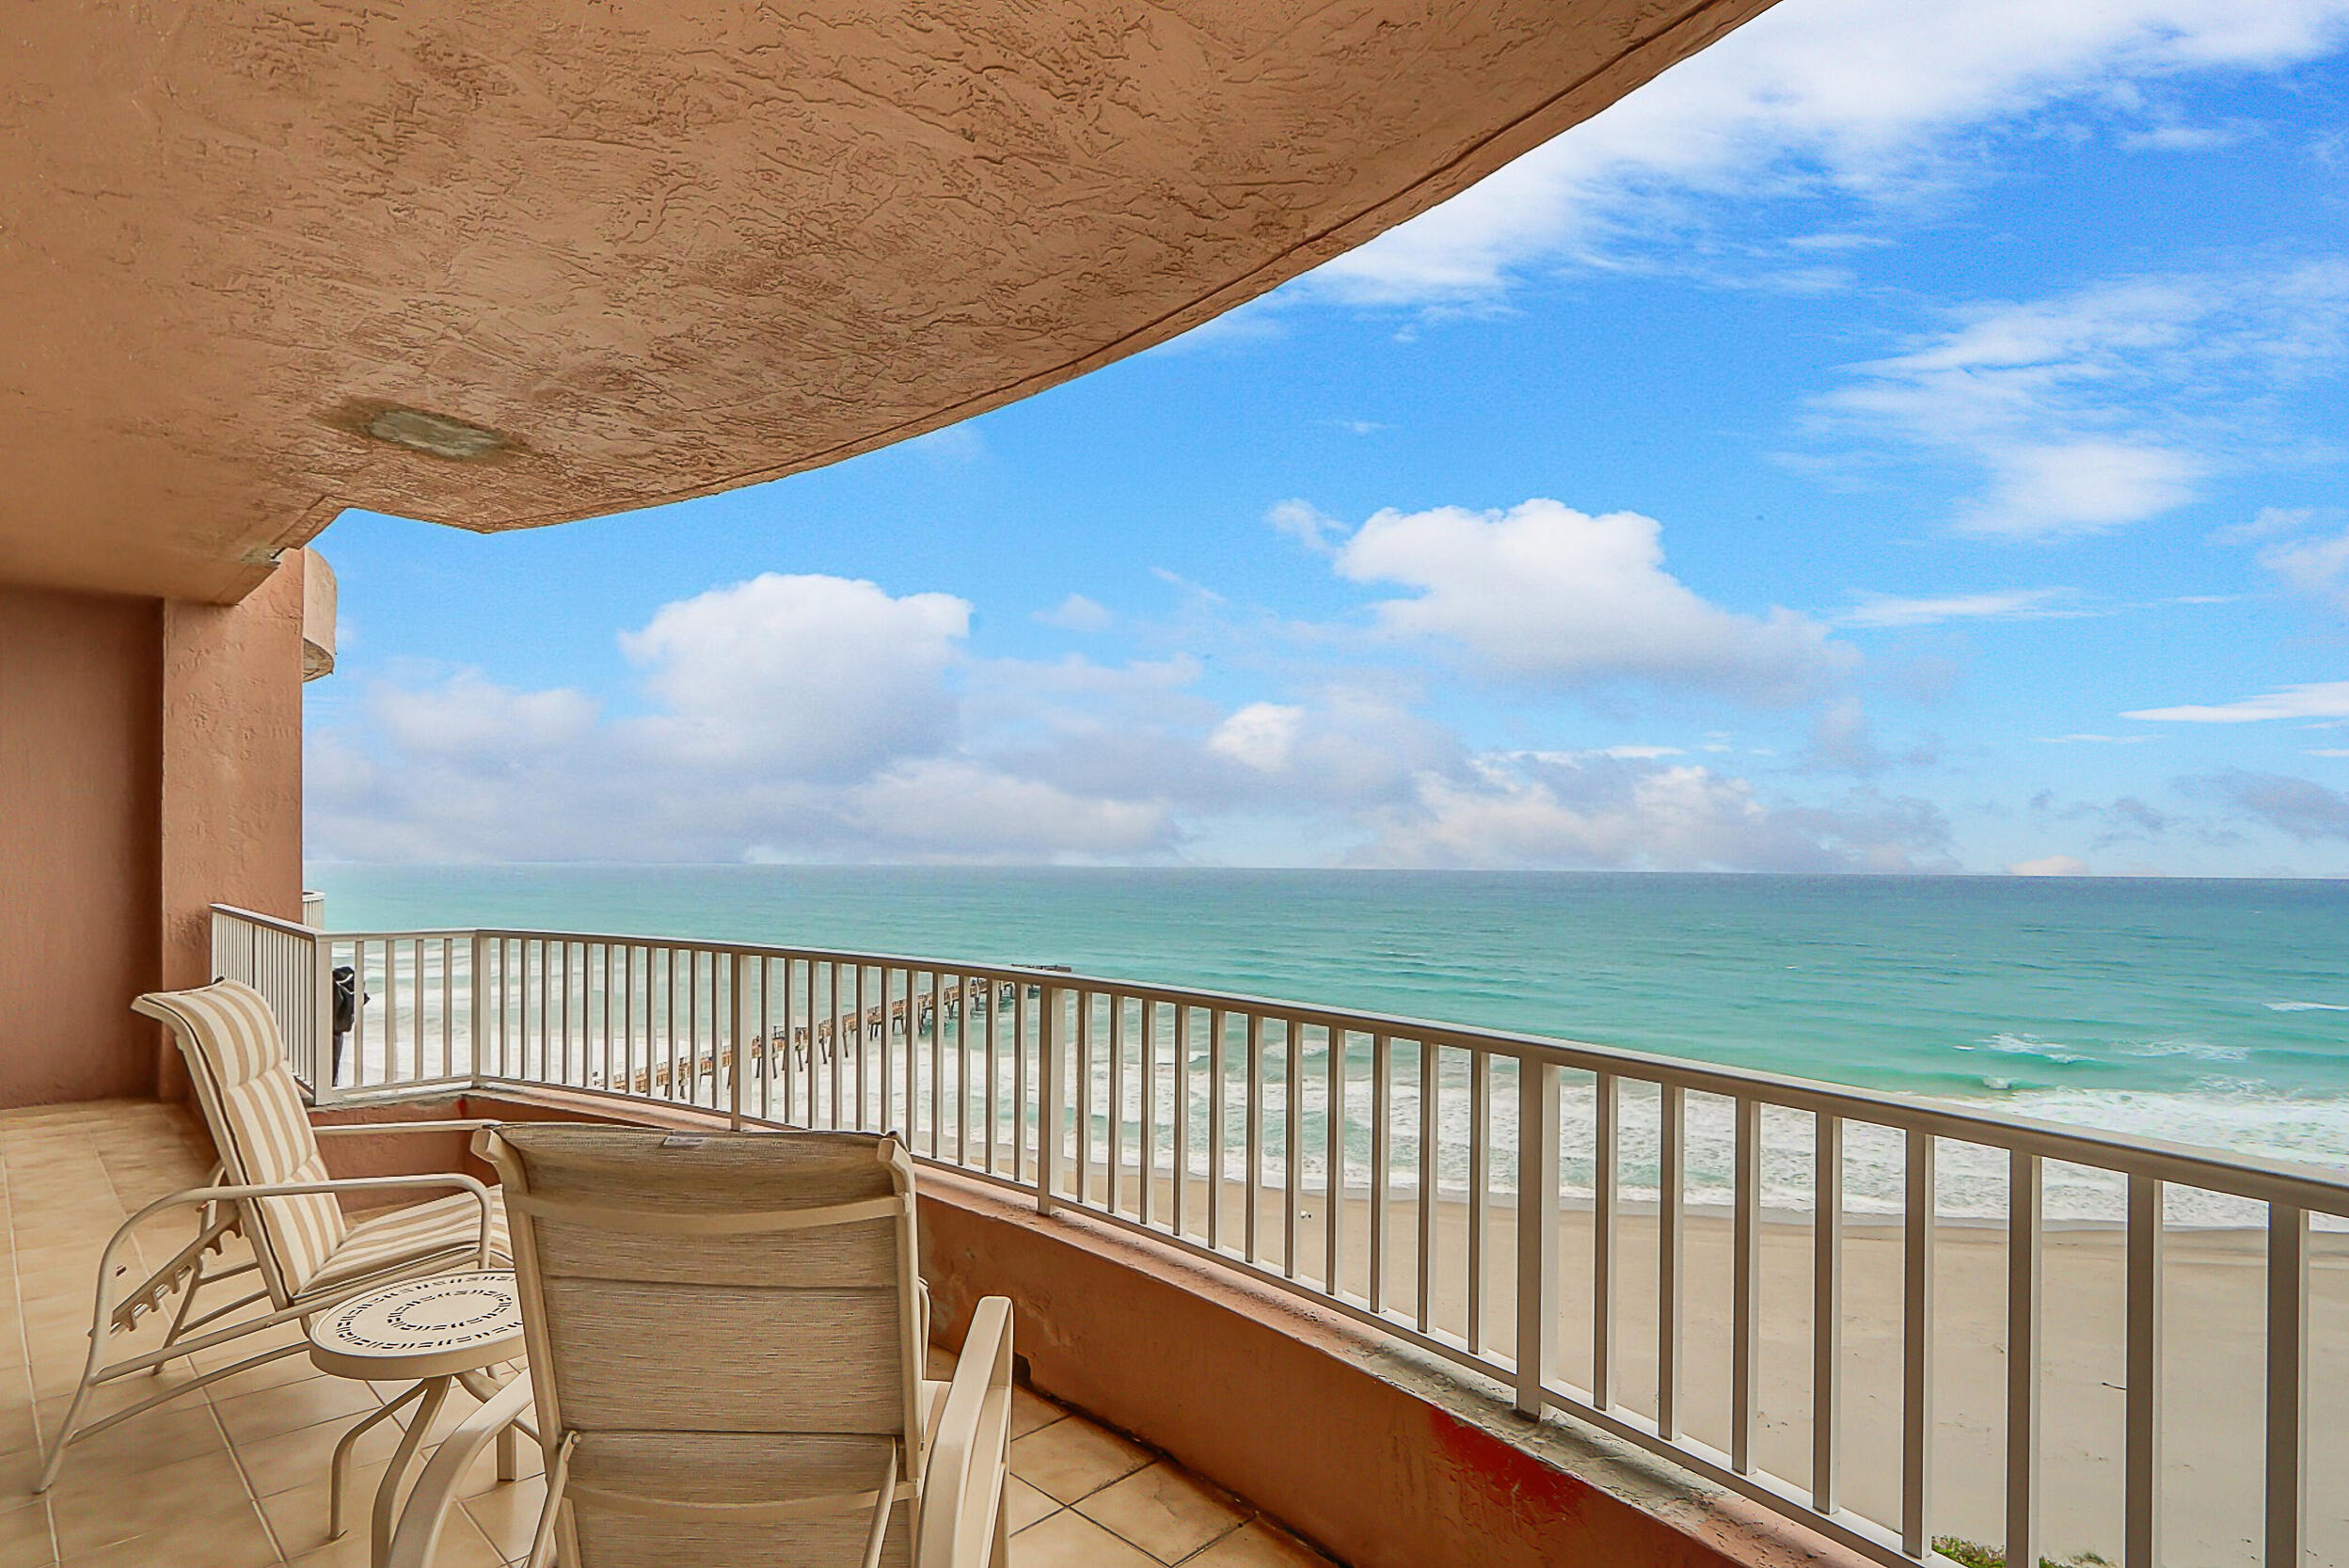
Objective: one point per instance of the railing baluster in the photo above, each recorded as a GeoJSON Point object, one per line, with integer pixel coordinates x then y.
{"type": "Point", "coordinates": [391, 1010]}
{"type": "Point", "coordinates": [937, 1059]}
{"type": "Point", "coordinates": [1293, 1141]}
{"type": "Point", "coordinates": [1218, 1115]}
{"type": "Point", "coordinates": [1334, 1142]}
{"type": "Point", "coordinates": [567, 1030]}
{"type": "Point", "coordinates": [1537, 1231]}
{"type": "Point", "coordinates": [1019, 1083]}
{"type": "Point", "coordinates": [1382, 1157]}
{"type": "Point", "coordinates": [1916, 1349]}
{"type": "Point", "coordinates": [738, 1033]}
{"type": "Point", "coordinates": [1425, 1273]}
{"type": "Point", "coordinates": [1050, 1099]}
{"type": "Point", "coordinates": [476, 1002]}
{"type": "Point", "coordinates": [1083, 1095]}
{"type": "Point", "coordinates": [834, 1044]}
{"type": "Point", "coordinates": [358, 1014]}
{"type": "Point", "coordinates": [1115, 1184]}
{"type": "Point", "coordinates": [1671, 1103]}
{"type": "Point", "coordinates": [2287, 1385]}
{"type": "Point", "coordinates": [1606, 1099]}
{"type": "Point", "coordinates": [962, 1070]}
{"type": "Point", "coordinates": [1181, 1116]}
{"type": "Point", "coordinates": [1480, 1184]}
{"type": "Point", "coordinates": [2024, 1297]}
{"type": "Point", "coordinates": [1745, 1345]}
{"type": "Point", "coordinates": [1826, 1311]}
{"type": "Point", "coordinates": [1254, 1185]}
{"type": "Point", "coordinates": [1146, 1198]}
{"type": "Point", "coordinates": [2141, 1518]}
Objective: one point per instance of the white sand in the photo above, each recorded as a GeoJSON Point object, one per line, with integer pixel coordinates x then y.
{"type": "Point", "coordinates": [2214, 1303]}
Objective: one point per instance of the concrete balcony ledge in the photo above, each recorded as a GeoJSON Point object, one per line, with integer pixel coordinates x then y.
{"type": "Point", "coordinates": [1377, 1454]}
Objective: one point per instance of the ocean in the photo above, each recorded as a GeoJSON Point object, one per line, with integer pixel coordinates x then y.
{"type": "Point", "coordinates": [2200, 1011]}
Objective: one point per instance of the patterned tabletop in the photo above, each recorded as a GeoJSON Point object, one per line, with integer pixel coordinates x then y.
{"type": "Point", "coordinates": [429, 1327]}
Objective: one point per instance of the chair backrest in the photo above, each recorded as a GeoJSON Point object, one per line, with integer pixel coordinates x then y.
{"type": "Point", "coordinates": [236, 1059]}
{"type": "Point", "coordinates": [725, 1329]}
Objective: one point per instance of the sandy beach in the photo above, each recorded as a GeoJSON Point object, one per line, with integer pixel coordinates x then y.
{"type": "Point", "coordinates": [2214, 1303]}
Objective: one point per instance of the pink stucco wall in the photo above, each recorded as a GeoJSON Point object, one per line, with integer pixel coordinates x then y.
{"type": "Point", "coordinates": [80, 733]}
{"type": "Point", "coordinates": [150, 765]}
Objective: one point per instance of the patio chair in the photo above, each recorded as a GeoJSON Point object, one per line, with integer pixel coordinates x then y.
{"type": "Point", "coordinates": [272, 1187]}
{"type": "Point", "coordinates": [725, 1340]}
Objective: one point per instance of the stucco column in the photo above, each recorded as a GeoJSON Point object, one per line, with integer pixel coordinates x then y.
{"type": "Point", "coordinates": [231, 774]}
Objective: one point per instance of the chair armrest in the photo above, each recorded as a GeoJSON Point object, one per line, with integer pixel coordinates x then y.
{"type": "Point", "coordinates": [349, 1128]}
{"type": "Point", "coordinates": [417, 1533]}
{"type": "Point", "coordinates": [208, 1195]}
{"type": "Point", "coordinates": [963, 1488]}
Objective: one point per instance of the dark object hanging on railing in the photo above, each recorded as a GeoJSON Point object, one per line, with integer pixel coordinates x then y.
{"type": "Point", "coordinates": [346, 1005]}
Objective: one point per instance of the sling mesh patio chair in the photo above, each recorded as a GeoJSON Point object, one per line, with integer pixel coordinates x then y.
{"type": "Point", "coordinates": [725, 1339]}
{"type": "Point", "coordinates": [272, 1187]}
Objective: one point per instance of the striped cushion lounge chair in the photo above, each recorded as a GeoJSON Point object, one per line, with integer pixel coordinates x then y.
{"type": "Point", "coordinates": [271, 1186]}
{"type": "Point", "coordinates": [726, 1337]}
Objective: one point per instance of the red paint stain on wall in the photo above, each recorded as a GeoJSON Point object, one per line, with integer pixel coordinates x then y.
{"type": "Point", "coordinates": [1505, 1475]}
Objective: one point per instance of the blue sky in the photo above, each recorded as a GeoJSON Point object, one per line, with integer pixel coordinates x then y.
{"type": "Point", "coordinates": [1888, 441]}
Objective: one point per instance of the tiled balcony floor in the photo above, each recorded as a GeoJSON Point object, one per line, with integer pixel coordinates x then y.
{"type": "Point", "coordinates": [235, 1475]}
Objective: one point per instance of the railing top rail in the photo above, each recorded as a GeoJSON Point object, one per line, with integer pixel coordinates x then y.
{"type": "Point", "coordinates": [433, 933]}
{"type": "Point", "coordinates": [274, 923]}
{"type": "Point", "coordinates": [2246, 1175]}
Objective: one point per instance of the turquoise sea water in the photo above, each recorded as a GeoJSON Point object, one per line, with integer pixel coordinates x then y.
{"type": "Point", "coordinates": [2212, 1012]}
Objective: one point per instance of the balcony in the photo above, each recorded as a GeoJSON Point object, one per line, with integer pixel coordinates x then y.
{"type": "Point", "coordinates": [236, 1476]}
{"type": "Point", "coordinates": [1761, 1315]}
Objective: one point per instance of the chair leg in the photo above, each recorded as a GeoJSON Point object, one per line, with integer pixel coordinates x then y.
{"type": "Point", "coordinates": [1001, 1556]}
{"type": "Point", "coordinates": [485, 1388]}
{"type": "Point", "coordinates": [435, 1390]}
{"type": "Point", "coordinates": [81, 1390]}
{"type": "Point", "coordinates": [338, 1472]}
{"type": "Point", "coordinates": [65, 1434]}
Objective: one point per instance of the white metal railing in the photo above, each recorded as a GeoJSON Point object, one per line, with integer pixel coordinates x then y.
{"type": "Point", "coordinates": [1414, 1177]}
{"type": "Point", "coordinates": [281, 959]}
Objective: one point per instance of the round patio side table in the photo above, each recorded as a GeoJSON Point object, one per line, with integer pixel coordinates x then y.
{"type": "Point", "coordinates": [447, 1329]}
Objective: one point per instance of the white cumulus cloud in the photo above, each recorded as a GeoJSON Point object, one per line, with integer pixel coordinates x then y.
{"type": "Point", "coordinates": [1601, 813]}
{"type": "Point", "coordinates": [1260, 735]}
{"type": "Point", "coordinates": [1547, 594]}
{"type": "Point", "coordinates": [817, 676]}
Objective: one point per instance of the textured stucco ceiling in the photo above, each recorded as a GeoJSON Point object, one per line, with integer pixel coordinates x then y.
{"type": "Point", "coordinates": [667, 248]}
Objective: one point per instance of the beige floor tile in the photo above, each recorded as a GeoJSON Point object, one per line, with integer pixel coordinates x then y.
{"type": "Point", "coordinates": [1023, 1505]}
{"type": "Point", "coordinates": [31, 1552]}
{"type": "Point", "coordinates": [1164, 1511]}
{"type": "Point", "coordinates": [181, 1429]}
{"type": "Point", "coordinates": [1031, 1410]}
{"type": "Point", "coordinates": [231, 1351]}
{"type": "Point", "coordinates": [1072, 1459]}
{"type": "Point", "coordinates": [1069, 1539]}
{"type": "Point", "coordinates": [303, 1456]}
{"type": "Point", "coordinates": [941, 1366]}
{"type": "Point", "coordinates": [276, 1374]}
{"type": "Point", "coordinates": [299, 1517]}
{"type": "Point", "coordinates": [1258, 1544]}
{"type": "Point", "coordinates": [461, 1546]}
{"type": "Point", "coordinates": [24, 1536]}
{"type": "Point", "coordinates": [508, 1514]}
{"type": "Point", "coordinates": [95, 1504]}
{"type": "Point", "coordinates": [291, 1406]}
{"type": "Point", "coordinates": [232, 1538]}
